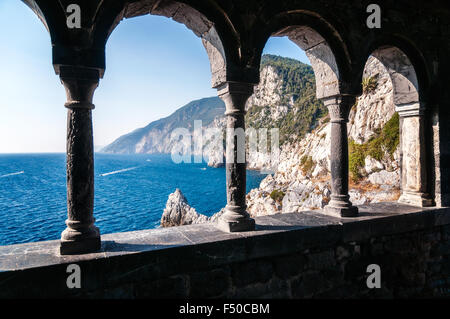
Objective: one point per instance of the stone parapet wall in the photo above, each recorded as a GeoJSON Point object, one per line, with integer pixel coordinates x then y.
{"type": "Point", "coordinates": [299, 255]}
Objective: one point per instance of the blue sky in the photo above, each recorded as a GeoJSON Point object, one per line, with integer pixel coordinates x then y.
{"type": "Point", "coordinates": [154, 65]}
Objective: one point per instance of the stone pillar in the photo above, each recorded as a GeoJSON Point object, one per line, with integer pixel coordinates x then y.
{"type": "Point", "coordinates": [80, 236]}
{"type": "Point", "coordinates": [339, 108]}
{"type": "Point", "coordinates": [414, 188]}
{"type": "Point", "coordinates": [235, 217]}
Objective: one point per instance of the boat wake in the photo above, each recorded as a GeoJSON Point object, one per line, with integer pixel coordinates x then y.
{"type": "Point", "coordinates": [12, 174]}
{"type": "Point", "coordinates": [120, 171]}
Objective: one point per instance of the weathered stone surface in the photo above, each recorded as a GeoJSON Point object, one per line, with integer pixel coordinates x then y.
{"type": "Point", "coordinates": [321, 260]}
{"type": "Point", "coordinates": [339, 108]}
{"type": "Point", "coordinates": [252, 272]}
{"type": "Point", "coordinates": [211, 283]}
{"type": "Point", "coordinates": [289, 266]}
{"type": "Point", "coordinates": [80, 236]}
{"type": "Point", "coordinates": [235, 217]}
{"type": "Point", "coordinates": [290, 255]}
{"type": "Point", "coordinates": [172, 287]}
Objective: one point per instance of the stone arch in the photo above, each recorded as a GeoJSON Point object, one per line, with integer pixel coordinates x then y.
{"type": "Point", "coordinates": [323, 46]}
{"type": "Point", "coordinates": [193, 19]}
{"type": "Point", "coordinates": [37, 10]}
{"type": "Point", "coordinates": [331, 64]}
{"type": "Point", "coordinates": [320, 55]}
{"type": "Point", "coordinates": [407, 98]}
{"type": "Point", "coordinates": [403, 75]}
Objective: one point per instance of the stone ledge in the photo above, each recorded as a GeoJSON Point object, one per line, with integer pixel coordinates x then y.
{"type": "Point", "coordinates": [152, 254]}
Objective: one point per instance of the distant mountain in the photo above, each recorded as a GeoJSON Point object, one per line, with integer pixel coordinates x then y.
{"type": "Point", "coordinates": [153, 138]}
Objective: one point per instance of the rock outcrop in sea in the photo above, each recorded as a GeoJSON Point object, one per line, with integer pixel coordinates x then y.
{"type": "Point", "coordinates": [178, 212]}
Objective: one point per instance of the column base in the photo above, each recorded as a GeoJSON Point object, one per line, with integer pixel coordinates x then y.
{"type": "Point", "coordinates": [75, 243]}
{"type": "Point", "coordinates": [247, 224]}
{"type": "Point", "coordinates": [341, 212]}
{"type": "Point", "coordinates": [416, 199]}
{"type": "Point", "coordinates": [341, 208]}
{"type": "Point", "coordinates": [235, 220]}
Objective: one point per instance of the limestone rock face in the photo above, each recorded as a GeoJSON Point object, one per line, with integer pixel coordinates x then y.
{"type": "Point", "coordinates": [216, 160]}
{"type": "Point", "coordinates": [267, 91]}
{"type": "Point", "coordinates": [374, 108]}
{"type": "Point", "coordinates": [371, 165]}
{"type": "Point", "coordinates": [178, 212]}
{"type": "Point", "coordinates": [303, 172]}
{"type": "Point", "coordinates": [384, 177]}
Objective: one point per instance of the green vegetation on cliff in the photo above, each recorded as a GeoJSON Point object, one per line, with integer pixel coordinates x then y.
{"type": "Point", "coordinates": [277, 195]}
{"type": "Point", "coordinates": [385, 140]}
{"type": "Point", "coordinates": [369, 84]}
{"type": "Point", "coordinates": [298, 87]}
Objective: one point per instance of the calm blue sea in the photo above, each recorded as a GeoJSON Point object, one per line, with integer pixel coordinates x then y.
{"type": "Point", "coordinates": [130, 192]}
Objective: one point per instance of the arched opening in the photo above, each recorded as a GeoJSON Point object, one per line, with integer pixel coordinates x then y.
{"type": "Point", "coordinates": [289, 96]}
{"type": "Point", "coordinates": [195, 21]}
{"type": "Point", "coordinates": [414, 181]}
{"type": "Point", "coordinates": [32, 131]}
{"type": "Point", "coordinates": [320, 55]}
{"type": "Point", "coordinates": [146, 172]}
{"type": "Point", "coordinates": [374, 139]}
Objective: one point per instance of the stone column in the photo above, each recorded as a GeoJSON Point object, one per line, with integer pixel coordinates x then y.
{"type": "Point", "coordinates": [414, 189]}
{"type": "Point", "coordinates": [235, 217]}
{"type": "Point", "coordinates": [339, 108]}
{"type": "Point", "coordinates": [80, 236]}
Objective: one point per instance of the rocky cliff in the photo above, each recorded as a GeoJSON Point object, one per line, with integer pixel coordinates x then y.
{"type": "Point", "coordinates": [156, 136]}
{"type": "Point", "coordinates": [302, 179]}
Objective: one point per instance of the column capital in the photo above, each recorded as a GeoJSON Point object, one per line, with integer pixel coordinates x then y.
{"type": "Point", "coordinates": [410, 109]}
{"type": "Point", "coordinates": [80, 84]}
{"type": "Point", "coordinates": [231, 87]}
{"type": "Point", "coordinates": [339, 107]}
{"type": "Point", "coordinates": [235, 96]}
